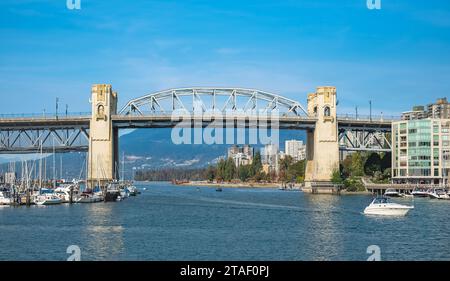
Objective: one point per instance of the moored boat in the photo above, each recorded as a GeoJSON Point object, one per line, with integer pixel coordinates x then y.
{"type": "Point", "coordinates": [47, 199]}
{"type": "Point", "coordinates": [438, 193]}
{"type": "Point", "coordinates": [4, 198]}
{"type": "Point", "coordinates": [89, 197]}
{"type": "Point", "coordinates": [391, 192]}
{"type": "Point", "coordinates": [419, 192]}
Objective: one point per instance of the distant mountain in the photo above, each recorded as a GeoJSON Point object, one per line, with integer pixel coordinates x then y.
{"type": "Point", "coordinates": [147, 149]}
{"type": "Point", "coordinates": [153, 148]}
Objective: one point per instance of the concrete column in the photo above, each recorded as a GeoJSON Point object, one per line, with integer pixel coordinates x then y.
{"type": "Point", "coordinates": [103, 138]}
{"type": "Point", "coordinates": [322, 143]}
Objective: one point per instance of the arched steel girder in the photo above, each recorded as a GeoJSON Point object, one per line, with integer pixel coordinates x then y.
{"type": "Point", "coordinates": [175, 99]}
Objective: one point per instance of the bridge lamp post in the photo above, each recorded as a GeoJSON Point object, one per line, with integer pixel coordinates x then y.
{"type": "Point", "coordinates": [370, 114]}
{"type": "Point", "coordinates": [56, 112]}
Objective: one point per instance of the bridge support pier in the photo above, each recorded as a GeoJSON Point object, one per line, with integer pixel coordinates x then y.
{"type": "Point", "coordinates": [103, 137]}
{"type": "Point", "coordinates": [322, 142]}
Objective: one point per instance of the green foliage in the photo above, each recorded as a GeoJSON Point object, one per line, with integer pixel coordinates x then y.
{"type": "Point", "coordinates": [353, 184]}
{"type": "Point", "coordinates": [230, 170]}
{"type": "Point", "coordinates": [245, 172]}
{"type": "Point", "coordinates": [256, 164]}
{"type": "Point", "coordinates": [357, 165]}
{"type": "Point", "coordinates": [336, 177]}
{"type": "Point", "coordinates": [373, 164]}
{"type": "Point", "coordinates": [211, 173]}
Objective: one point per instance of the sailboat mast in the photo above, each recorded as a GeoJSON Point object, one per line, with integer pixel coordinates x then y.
{"type": "Point", "coordinates": [54, 165]}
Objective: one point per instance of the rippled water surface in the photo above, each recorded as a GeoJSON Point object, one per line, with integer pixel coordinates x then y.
{"type": "Point", "coordinates": [183, 223]}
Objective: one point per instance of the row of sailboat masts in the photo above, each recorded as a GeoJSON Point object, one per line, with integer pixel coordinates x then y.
{"type": "Point", "coordinates": [34, 174]}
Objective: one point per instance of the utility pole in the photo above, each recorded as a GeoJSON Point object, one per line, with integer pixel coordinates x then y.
{"type": "Point", "coordinates": [370, 105]}
{"type": "Point", "coordinates": [67, 110]}
{"type": "Point", "coordinates": [356, 110]}
{"type": "Point", "coordinates": [57, 101]}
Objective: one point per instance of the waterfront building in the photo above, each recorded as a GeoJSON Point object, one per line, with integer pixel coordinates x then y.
{"type": "Point", "coordinates": [418, 112]}
{"type": "Point", "coordinates": [421, 151]}
{"type": "Point", "coordinates": [296, 149]}
{"type": "Point", "coordinates": [271, 157]}
{"type": "Point", "coordinates": [241, 155]}
{"type": "Point", "coordinates": [440, 109]}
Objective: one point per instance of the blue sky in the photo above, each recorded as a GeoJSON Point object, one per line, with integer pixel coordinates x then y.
{"type": "Point", "coordinates": [397, 56]}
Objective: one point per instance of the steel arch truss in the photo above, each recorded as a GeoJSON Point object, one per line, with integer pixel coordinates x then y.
{"type": "Point", "coordinates": [351, 139]}
{"type": "Point", "coordinates": [30, 140]}
{"type": "Point", "coordinates": [224, 100]}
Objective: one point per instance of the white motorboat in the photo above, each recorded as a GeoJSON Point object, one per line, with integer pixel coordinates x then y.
{"type": "Point", "coordinates": [383, 207]}
{"type": "Point", "coordinates": [419, 192]}
{"type": "Point", "coordinates": [89, 198]}
{"type": "Point", "coordinates": [124, 193]}
{"type": "Point", "coordinates": [47, 199]}
{"type": "Point", "coordinates": [438, 193]}
{"type": "Point", "coordinates": [4, 199]}
{"type": "Point", "coordinates": [391, 192]}
{"type": "Point", "coordinates": [132, 190]}
{"type": "Point", "coordinates": [63, 193]}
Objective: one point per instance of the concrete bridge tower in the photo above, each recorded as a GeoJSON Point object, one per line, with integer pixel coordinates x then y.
{"type": "Point", "coordinates": [322, 142]}
{"type": "Point", "coordinates": [103, 138]}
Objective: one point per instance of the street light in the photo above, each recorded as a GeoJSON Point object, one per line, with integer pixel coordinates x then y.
{"type": "Point", "coordinates": [370, 105]}
{"type": "Point", "coordinates": [56, 112]}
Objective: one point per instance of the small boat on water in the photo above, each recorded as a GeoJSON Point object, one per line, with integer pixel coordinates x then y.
{"type": "Point", "coordinates": [383, 207]}
{"type": "Point", "coordinates": [438, 193]}
{"type": "Point", "coordinates": [391, 192]}
{"type": "Point", "coordinates": [47, 199]}
{"type": "Point", "coordinates": [219, 189]}
{"type": "Point", "coordinates": [419, 192]}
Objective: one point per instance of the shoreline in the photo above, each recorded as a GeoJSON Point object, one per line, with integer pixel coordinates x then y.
{"type": "Point", "coordinates": [229, 185]}
{"type": "Point", "coordinates": [253, 186]}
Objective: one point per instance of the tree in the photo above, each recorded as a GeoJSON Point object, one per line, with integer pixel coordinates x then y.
{"type": "Point", "coordinates": [357, 166]}
{"type": "Point", "coordinates": [256, 166]}
{"type": "Point", "coordinates": [336, 177]}
{"type": "Point", "coordinates": [386, 161]}
{"type": "Point", "coordinates": [372, 164]}
{"type": "Point", "coordinates": [244, 172]}
{"type": "Point", "coordinates": [230, 170]}
{"type": "Point", "coordinates": [211, 173]}
{"type": "Point", "coordinates": [220, 171]}
{"type": "Point", "coordinates": [285, 163]}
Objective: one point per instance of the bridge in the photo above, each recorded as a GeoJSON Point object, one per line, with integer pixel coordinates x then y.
{"type": "Point", "coordinates": [97, 131]}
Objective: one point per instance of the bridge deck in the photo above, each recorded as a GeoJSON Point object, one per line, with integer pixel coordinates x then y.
{"type": "Point", "coordinates": [166, 121]}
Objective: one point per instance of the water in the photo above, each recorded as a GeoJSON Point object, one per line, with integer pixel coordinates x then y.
{"type": "Point", "coordinates": [167, 222]}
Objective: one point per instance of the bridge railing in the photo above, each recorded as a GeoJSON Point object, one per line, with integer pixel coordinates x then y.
{"type": "Point", "coordinates": [49, 116]}
{"type": "Point", "coordinates": [369, 117]}
{"type": "Point", "coordinates": [218, 113]}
